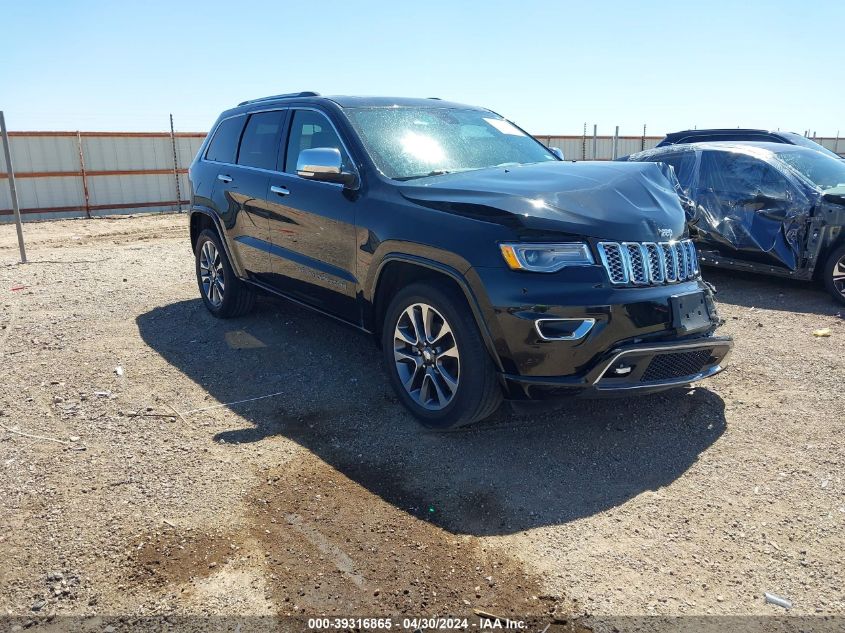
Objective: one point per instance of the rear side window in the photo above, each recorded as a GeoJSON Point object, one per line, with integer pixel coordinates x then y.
{"type": "Point", "coordinates": [224, 143]}
{"type": "Point", "coordinates": [260, 143]}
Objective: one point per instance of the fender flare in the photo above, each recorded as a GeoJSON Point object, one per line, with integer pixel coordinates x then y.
{"type": "Point", "coordinates": [221, 232]}
{"type": "Point", "coordinates": [457, 277]}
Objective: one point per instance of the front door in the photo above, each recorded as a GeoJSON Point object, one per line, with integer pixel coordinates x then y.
{"type": "Point", "coordinates": [749, 210]}
{"type": "Point", "coordinates": [312, 225]}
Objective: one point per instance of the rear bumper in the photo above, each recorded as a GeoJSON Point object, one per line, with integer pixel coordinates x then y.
{"type": "Point", "coordinates": [638, 368]}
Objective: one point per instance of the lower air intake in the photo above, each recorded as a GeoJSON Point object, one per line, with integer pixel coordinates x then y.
{"type": "Point", "coordinates": [677, 365]}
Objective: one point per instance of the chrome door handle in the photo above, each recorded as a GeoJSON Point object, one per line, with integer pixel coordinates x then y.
{"type": "Point", "coordinates": [282, 191]}
{"type": "Point", "coordinates": [224, 178]}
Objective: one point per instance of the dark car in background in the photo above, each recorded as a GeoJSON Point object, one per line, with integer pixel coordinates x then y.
{"type": "Point", "coordinates": [764, 207]}
{"type": "Point", "coordinates": [482, 264]}
{"type": "Point", "coordinates": [743, 135]}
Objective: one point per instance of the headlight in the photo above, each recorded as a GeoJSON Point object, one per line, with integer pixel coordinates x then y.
{"type": "Point", "coordinates": [546, 258]}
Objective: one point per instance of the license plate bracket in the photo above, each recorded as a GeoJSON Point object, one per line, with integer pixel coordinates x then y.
{"type": "Point", "coordinates": [690, 312]}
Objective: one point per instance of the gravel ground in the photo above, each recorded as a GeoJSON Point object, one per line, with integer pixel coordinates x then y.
{"type": "Point", "coordinates": [328, 498]}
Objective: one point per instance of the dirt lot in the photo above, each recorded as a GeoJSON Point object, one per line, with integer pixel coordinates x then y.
{"type": "Point", "coordinates": [328, 498]}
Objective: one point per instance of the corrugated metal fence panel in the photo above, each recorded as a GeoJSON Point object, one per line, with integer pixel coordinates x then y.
{"type": "Point", "coordinates": [104, 153]}
{"type": "Point", "coordinates": [43, 153]}
{"type": "Point", "coordinates": [126, 190]}
{"type": "Point", "coordinates": [187, 148]}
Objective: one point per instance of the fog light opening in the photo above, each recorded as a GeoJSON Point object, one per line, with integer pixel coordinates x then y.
{"type": "Point", "coordinates": [563, 329]}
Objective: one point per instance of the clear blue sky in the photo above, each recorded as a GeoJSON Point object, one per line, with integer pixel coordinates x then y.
{"type": "Point", "coordinates": [549, 66]}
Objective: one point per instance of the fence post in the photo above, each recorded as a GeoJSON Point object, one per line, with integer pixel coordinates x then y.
{"type": "Point", "coordinates": [642, 143]}
{"type": "Point", "coordinates": [12, 189]}
{"type": "Point", "coordinates": [175, 165]}
{"type": "Point", "coordinates": [584, 143]}
{"type": "Point", "coordinates": [616, 144]}
{"type": "Point", "coordinates": [595, 142]}
{"type": "Point", "coordinates": [836, 143]}
{"type": "Point", "coordinates": [84, 175]}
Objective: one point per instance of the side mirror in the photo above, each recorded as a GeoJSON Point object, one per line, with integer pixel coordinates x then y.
{"type": "Point", "coordinates": [557, 152]}
{"type": "Point", "coordinates": [324, 164]}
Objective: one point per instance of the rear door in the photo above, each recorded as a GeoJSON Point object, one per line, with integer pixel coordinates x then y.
{"type": "Point", "coordinates": [240, 189]}
{"type": "Point", "coordinates": [312, 224]}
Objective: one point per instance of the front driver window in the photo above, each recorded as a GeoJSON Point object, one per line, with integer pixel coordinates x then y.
{"type": "Point", "coordinates": [310, 129]}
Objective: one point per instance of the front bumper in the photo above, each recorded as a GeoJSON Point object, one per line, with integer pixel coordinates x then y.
{"type": "Point", "coordinates": [640, 368]}
{"type": "Point", "coordinates": [638, 327]}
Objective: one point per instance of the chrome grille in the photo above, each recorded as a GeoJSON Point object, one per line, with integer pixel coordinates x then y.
{"type": "Point", "coordinates": [649, 263]}
{"type": "Point", "coordinates": [611, 257]}
{"type": "Point", "coordinates": [636, 262]}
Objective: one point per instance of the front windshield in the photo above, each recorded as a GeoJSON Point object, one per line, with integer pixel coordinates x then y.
{"type": "Point", "coordinates": [820, 169]}
{"type": "Point", "coordinates": [803, 141]}
{"type": "Point", "coordinates": [408, 143]}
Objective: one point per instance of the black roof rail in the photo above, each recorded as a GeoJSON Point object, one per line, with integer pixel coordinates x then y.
{"type": "Point", "coordinates": [288, 95]}
{"type": "Point", "coordinates": [435, 98]}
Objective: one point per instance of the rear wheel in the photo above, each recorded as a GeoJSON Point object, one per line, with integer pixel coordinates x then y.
{"type": "Point", "coordinates": [834, 274]}
{"type": "Point", "coordinates": [222, 292]}
{"type": "Point", "coordinates": [436, 359]}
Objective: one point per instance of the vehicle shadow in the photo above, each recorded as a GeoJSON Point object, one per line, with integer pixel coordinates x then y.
{"type": "Point", "coordinates": [771, 293]}
{"type": "Point", "coordinates": [511, 473]}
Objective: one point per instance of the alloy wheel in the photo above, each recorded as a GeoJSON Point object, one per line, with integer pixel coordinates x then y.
{"type": "Point", "coordinates": [211, 274]}
{"type": "Point", "coordinates": [426, 355]}
{"type": "Point", "coordinates": [839, 276]}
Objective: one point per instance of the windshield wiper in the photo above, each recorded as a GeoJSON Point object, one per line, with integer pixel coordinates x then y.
{"type": "Point", "coordinates": [436, 172]}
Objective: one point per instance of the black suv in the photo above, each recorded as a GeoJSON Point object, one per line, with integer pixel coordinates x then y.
{"type": "Point", "coordinates": [483, 264]}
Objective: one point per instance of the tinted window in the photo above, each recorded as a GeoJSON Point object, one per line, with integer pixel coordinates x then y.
{"type": "Point", "coordinates": [730, 173]}
{"type": "Point", "coordinates": [683, 164]}
{"type": "Point", "coordinates": [823, 171]}
{"type": "Point", "coordinates": [310, 129]}
{"type": "Point", "coordinates": [260, 143]}
{"type": "Point", "coordinates": [224, 144]}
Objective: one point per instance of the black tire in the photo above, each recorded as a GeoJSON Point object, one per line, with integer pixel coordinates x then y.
{"type": "Point", "coordinates": [835, 265]}
{"type": "Point", "coordinates": [478, 393]}
{"type": "Point", "coordinates": [238, 298]}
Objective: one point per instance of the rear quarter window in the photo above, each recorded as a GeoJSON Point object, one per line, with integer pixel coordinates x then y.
{"type": "Point", "coordinates": [224, 144]}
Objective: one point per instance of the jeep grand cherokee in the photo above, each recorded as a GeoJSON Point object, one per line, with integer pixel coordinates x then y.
{"type": "Point", "coordinates": [484, 265]}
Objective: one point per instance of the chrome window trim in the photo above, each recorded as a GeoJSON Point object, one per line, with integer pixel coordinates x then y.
{"type": "Point", "coordinates": [273, 171]}
{"type": "Point", "coordinates": [577, 334]}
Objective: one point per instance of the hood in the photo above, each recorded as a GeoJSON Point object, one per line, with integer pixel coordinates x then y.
{"type": "Point", "coordinates": [604, 200]}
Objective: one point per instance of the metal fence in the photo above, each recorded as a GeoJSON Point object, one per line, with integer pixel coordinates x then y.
{"type": "Point", "coordinates": [84, 174]}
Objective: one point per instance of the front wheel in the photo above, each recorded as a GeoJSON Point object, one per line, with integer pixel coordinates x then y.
{"type": "Point", "coordinates": [834, 274]}
{"type": "Point", "coordinates": [222, 292]}
{"type": "Point", "coordinates": [436, 359]}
